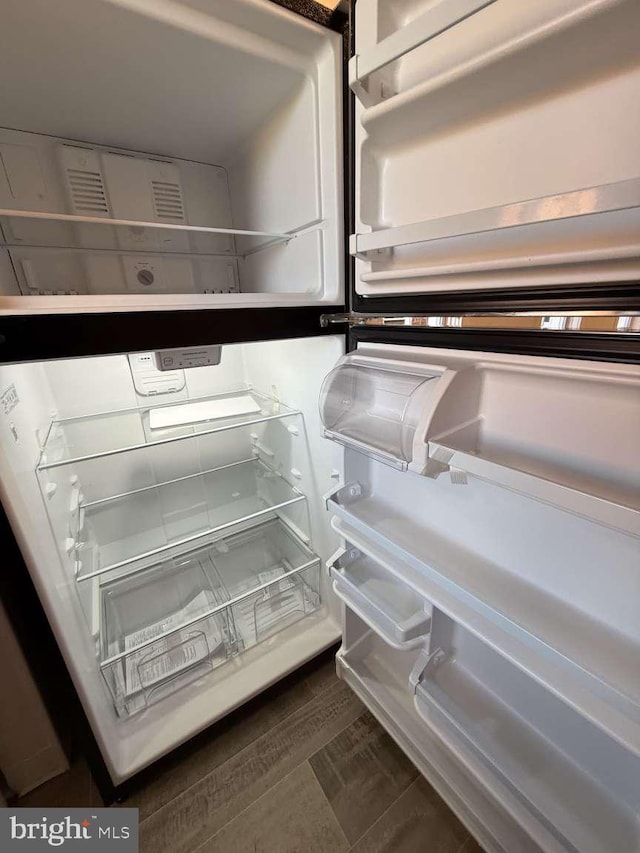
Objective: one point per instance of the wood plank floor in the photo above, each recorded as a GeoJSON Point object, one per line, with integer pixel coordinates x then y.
{"type": "Point", "coordinates": [304, 769]}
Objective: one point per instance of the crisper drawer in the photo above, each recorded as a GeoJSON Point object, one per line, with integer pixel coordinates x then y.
{"type": "Point", "coordinates": [168, 624]}
{"type": "Point", "coordinates": [576, 780]}
{"type": "Point", "coordinates": [386, 604]}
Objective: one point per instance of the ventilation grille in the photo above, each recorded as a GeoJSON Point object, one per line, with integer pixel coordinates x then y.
{"type": "Point", "coordinates": [87, 192]}
{"type": "Point", "coordinates": [167, 201]}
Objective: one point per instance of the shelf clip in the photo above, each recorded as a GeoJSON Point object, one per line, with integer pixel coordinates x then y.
{"type": "Point", "coordinates": [426, 662]}
{"type": "Point", "coordinates": [344, 495]}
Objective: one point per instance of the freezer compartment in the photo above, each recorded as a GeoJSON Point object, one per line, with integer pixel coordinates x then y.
{"type": "Point", "coordinates": [563, 436]}
{"type": "Point", "coordinates": [77, 439]}
{"type": "Point", "coordinates": [174, 622]}
{"type": "Point", "coordinates": [575, 778]}
{"type": "Point", "coordinates": [136, 527]}
{"type": "Point", "coordinates": [386, 604]}
{"type": "Point", "coordinates": [124, 189]}
{"type": "Point", "coordinates": [376, 406]}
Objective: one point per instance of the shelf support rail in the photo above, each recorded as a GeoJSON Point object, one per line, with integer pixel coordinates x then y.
{"type": "Point", "coordinates": [606, 198]}
{"type": "Point", "coordinates": [427, 26]}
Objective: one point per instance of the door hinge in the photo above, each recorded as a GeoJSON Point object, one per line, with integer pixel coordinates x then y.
{"type": "Point", "coordinates": [352, 318]}
{"type": "Point", "coordinates": [349, 319]}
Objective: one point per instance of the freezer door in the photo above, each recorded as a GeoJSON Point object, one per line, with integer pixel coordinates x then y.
{"type": "Point", "coordinates": [490, 524]}
{"type": "Point", "coordinates": [496, 152]}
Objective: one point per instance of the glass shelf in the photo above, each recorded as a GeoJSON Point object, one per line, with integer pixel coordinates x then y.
{"type": "Point", "coordinates": [179, 619]}
{"type": "Point", "coordinates": [94, 436]}
{"type": "Point", "coordinates": [133, 529]}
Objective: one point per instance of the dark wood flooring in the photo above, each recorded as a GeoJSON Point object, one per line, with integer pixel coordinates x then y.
{"type": "Point", "coordinates": [306, 769]}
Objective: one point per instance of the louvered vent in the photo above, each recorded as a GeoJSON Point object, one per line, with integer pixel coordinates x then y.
{"type": "Point", "coordinates": [167, 200]}
{"type": "Point", "coordinates": [87, 192]}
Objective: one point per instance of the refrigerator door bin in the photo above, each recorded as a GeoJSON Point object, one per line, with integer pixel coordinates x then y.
{"type": "Point", "coordinates": [572, 776]}
{"type": "Point", "coordinates": [379, 675]}
{"type": "Point", "coordinates": [173, 622]}
{"type": "Point", "coordinates": [381, 600]}
{"type": "Point", "coordinates": [376, 406]}
{"type": "Point", "coordinates": [586, 663]}
{"type": "Point", "coordinates": [566, 437]}
{"type": "Point", "coordinates": [137, 527]}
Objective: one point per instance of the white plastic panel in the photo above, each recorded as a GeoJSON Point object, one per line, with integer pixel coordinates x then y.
{"type": "Point", "coordinates": [467, 175]}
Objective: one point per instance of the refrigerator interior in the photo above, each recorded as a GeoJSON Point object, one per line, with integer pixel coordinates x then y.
{"type": "Point", "coordinates": [496, 144]}
{"type": "Point", "coordinates": [173, 525]}
{"type": "Point", "coordinates": [489, 568]}
{"type": "Point", "coordinates": [185, 151]}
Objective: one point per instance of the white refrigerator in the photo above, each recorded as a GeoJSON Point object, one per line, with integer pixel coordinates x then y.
{"type": "Point", "coordinates": [229, 440]}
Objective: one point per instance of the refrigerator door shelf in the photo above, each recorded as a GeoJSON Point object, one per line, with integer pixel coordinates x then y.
{"type": "Point", "coordinates": [587, 665]}
{"type": "Point", "coordinates": [173, 622]}
{"type": "Point", "coordinates": [80, 439]}
{"type": "Point", "coordinates": [578, 781]}
{"type": "Point", "coordinates": [564, 437]}
{"type": "Point", "coordinates": [387, 606]}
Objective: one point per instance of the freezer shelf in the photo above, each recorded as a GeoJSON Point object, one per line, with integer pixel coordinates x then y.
{"type": "Point", "coordinates": [579, 781]}
{"type": "Point", "coordinates": [138, 526]}
{"type": "Point", "coordinates": [176, 621]}
{"type": "Point", "coordinates": [93, 436]}
{"type": "Point", "coordinates": [593, 668]}
{"type": "Point", "coordinates": [382, 601]}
